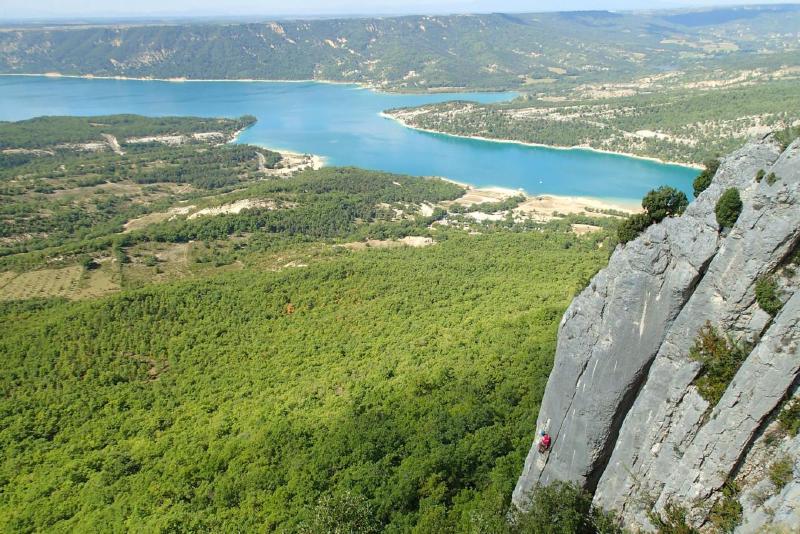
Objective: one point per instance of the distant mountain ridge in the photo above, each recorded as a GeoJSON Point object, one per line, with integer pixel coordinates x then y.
{"type": "Point", "coordinates": [709, 17]}
{"type": "Point", "coordinates": [494, 51]}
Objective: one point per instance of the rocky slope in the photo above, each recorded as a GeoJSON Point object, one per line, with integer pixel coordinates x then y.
{"type": "Point", "coordinates": [621, 404]}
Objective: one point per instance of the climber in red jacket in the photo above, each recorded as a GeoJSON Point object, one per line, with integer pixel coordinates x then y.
{"type": "Point", "coordinates": [544, 443]}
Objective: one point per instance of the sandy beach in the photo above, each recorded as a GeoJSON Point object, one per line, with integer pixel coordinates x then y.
{"type": "Point", "coordinates": [293, 160]}
{"type": "Point", "coordinates": [543, 204]}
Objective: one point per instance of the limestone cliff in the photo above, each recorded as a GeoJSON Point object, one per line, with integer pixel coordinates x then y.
{"type": "Point", "coordinates": [625, 417]}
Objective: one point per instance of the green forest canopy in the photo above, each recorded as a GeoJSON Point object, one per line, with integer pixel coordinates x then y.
{"type": "Point", "coordinates": [405, 381]}
{"type": "Point", "coordinates": [410, 377]}
{"type": "Point", "coordinates": [44, 132]}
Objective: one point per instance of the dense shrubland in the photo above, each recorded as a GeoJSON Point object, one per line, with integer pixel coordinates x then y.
{"type": "Point", "coordinates": [720, 358]}
{"type": "Point", "coordinates": [679, 124]}
{"type": "Point", "coordinates": [728, 208]}
{"type": "Point", "coordinates": [328, 203]}
{"type": "Point", "coordinates": [53, 192]}
{"type": "Point", "coordinates": [489, 207]}
{"type": "Point", "coordinates": [703, 179]}
{"type": "Point", "coordinates": [407, 377]}
{"type": "Point", "coordinates": [56, 186]}
{"type": "Point", "coordinates": [787, 136]}
{"type": "Point", "coordinates": [47, 132]}
{"type": "Point", "coordinates": [658, 204]}
{"type": "Point", "coordinates": [767, 295]}
{"type": "Point", "coordinates": [789, 417]}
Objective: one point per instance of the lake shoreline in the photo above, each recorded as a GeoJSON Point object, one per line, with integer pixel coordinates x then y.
{"type": "Point", "coordinates": [180, 79]}
{"type": "Point", "coordinates": [490, 192]}
{"type": "Point", "coordinates": [573, 204]}
{"type": "Point", "coordinates": [177, 79]}
{"type": "Point", "coordinates": [569, 203]}
{"type": "Point", "coordinates": [616, 180]}
{"type": "Point", "coordinates": [383, 114]}
{"type": "Point", "coordinates": [541, 145]}
{"type": "Point", "coordinates": [316, 161]}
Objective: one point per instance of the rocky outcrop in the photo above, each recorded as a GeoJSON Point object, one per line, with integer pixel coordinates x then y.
{"type": "Point", "coordinates": [764, 503]}
{"type": "Point", "coordinates": [620, 405]}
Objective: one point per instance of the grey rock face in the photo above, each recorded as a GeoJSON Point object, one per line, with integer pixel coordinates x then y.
{"type": "Point", "coordinates": [607, 339]}
{"type": "Point", "coordinates": [620, 406]}
{"type": "Point", "coordinates": [719, 445]}
{"type": "Point", "coordinates": [668, 414]}
{"type": "Point", "coordinates": [765, 505]}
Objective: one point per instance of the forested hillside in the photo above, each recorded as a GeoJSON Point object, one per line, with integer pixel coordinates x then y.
{"type": "Point", "coordinates": [61, 132]}
{"type": "Point", "coordinates": [408, 377]}
{"type": "Point", "coordinates": [198, 335]}
{"type": "Point", "coordinates": [497, 51]}
{"type": "Point", "coordinates": [263, 351]}
{"type": "Point", "coordinates": [69, 179]}
{"type": "Point", "coordinates": [683, 123]}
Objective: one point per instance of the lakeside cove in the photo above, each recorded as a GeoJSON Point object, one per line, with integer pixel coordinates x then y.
{"type": "Point", "coordinates": [343, 125]}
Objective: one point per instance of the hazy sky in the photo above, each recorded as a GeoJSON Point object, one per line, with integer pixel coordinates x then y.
{"type": "Point", "coordinates": [153, 8]}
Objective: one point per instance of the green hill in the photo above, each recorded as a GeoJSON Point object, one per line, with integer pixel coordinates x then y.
{"type": "Point", "coordinates": [261, 351]}
{"type": "Point", "coordinates": [410, 377]}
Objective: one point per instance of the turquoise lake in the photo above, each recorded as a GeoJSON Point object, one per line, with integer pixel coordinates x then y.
{"type": "Point", "coordinates": [342, 124]}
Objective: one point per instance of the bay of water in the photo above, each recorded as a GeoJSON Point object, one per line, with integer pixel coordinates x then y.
{"type": "Point", "coordinates": [342, 123]}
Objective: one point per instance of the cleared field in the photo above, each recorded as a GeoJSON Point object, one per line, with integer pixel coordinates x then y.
{"type": "Point", "coordinates": [157, 262]}
{"type": "Point", "coordinates": [43, 283]}
{"type": "Point", "coordinates": [153, 218]}
{"type": "Point", "coordinates": [99, 282]}
{"type": "Point", "coordinates": [151, 263]}
{"type": "Point", "coordinates": [6, 277]}
{"type": "Point", "coordinates": [68, 282]}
